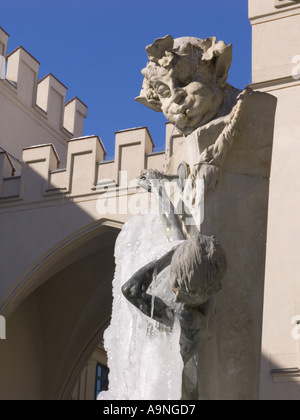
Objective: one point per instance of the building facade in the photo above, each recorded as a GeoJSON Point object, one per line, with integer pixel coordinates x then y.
{"type": "Point", "coordinates": [62, 206]}
{"type": "Point", "coordinates": [276, 70]}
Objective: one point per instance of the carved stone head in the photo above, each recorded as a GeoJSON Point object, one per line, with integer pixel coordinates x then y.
{"type": "Point", "coordinates": [185, 79]}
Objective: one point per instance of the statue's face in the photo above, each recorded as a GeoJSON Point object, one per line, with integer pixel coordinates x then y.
{"type": "Point", "coordinates": [150, 179]}
{"type": "Point", "coordinates": [186, 80]}
{"type": "Point", "coordinates": [189, 97]}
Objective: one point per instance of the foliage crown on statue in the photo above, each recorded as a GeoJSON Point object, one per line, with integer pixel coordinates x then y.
{"type": "Point", "coordinates": [183, 56]}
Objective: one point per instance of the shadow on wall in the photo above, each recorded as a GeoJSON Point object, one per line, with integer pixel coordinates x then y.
{"type": "Point", "coordinates": [56, 271]}
{"type": "Point", "coordinates": [279, 382]}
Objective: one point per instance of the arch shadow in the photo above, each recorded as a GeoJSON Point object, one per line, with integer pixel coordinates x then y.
{"type": "Point", "coordinates": [73, 247]}
{"type": "Point", "coordinates": [70, 290]}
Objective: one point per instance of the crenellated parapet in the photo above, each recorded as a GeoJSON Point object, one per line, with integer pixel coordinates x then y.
{"type": "Point", "coordinates": [41, 104]}
{"type": "Point", "coordinates": [86, 172]}
{"type": "Point", "coordinates": [49, 94]}
{"type": "Point", "coordinates": [22, 71]}
{"type": "Point", "coordinates": [42, 152]}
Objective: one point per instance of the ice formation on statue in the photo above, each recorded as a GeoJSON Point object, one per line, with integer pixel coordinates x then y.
{"type": "Point", "coordinates": [143, 356]}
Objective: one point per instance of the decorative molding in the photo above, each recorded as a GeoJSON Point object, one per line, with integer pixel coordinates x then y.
{"type": "Point", "coordinates": [284, 3]}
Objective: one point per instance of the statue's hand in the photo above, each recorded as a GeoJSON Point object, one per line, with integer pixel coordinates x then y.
{"type": "Point", "coordinates": [150, 179]}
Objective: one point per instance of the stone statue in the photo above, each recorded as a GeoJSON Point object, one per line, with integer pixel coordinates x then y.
{"type": "Point", "coordinates": [186, 79]}
{"type": "Point", "coordinates": [228, 143]}
{"type": "Point", "coordinates": [197, 268]}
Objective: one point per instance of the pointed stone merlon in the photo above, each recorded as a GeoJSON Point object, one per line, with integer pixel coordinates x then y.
{"type": "Point", "coordinates": [83, 155]}
{"type": "Point", "coordinates": [75, 113]}
{"type": "Point", "coordinates": [3, 49]}
{"type": "Point", "coordinates": [22, 70]}
{"type": "Point", "coordinates": [51, 97]}
{"type": "Point", "coordinates": [132, 148]}
{"type": "Point", "coordinates": [80, 175]}
{"type": "Point", "coordinates": [3, 42]}
{"type": "Point", "coordinates": [39, 161]}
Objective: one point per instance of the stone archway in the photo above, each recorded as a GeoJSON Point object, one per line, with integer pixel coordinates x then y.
{"type": "Point", "coordinates": [54, 329]}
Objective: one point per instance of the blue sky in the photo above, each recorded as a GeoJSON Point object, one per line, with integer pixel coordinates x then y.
{"type": "Point", "coordinates": [97, 49]}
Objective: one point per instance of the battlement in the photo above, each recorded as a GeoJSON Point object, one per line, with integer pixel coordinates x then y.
{"type": "Point", "coordinates": [39, 130]}
{"type": "Point", "coordinates": [49, 94]}
{"type": "Point", "coordinates": [86, 172]}
{"type": "Point", "coordinates": [44, 101]}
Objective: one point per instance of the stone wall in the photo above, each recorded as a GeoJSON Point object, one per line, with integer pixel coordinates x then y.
{"type": "Point", "coordinates": [276, 58]}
